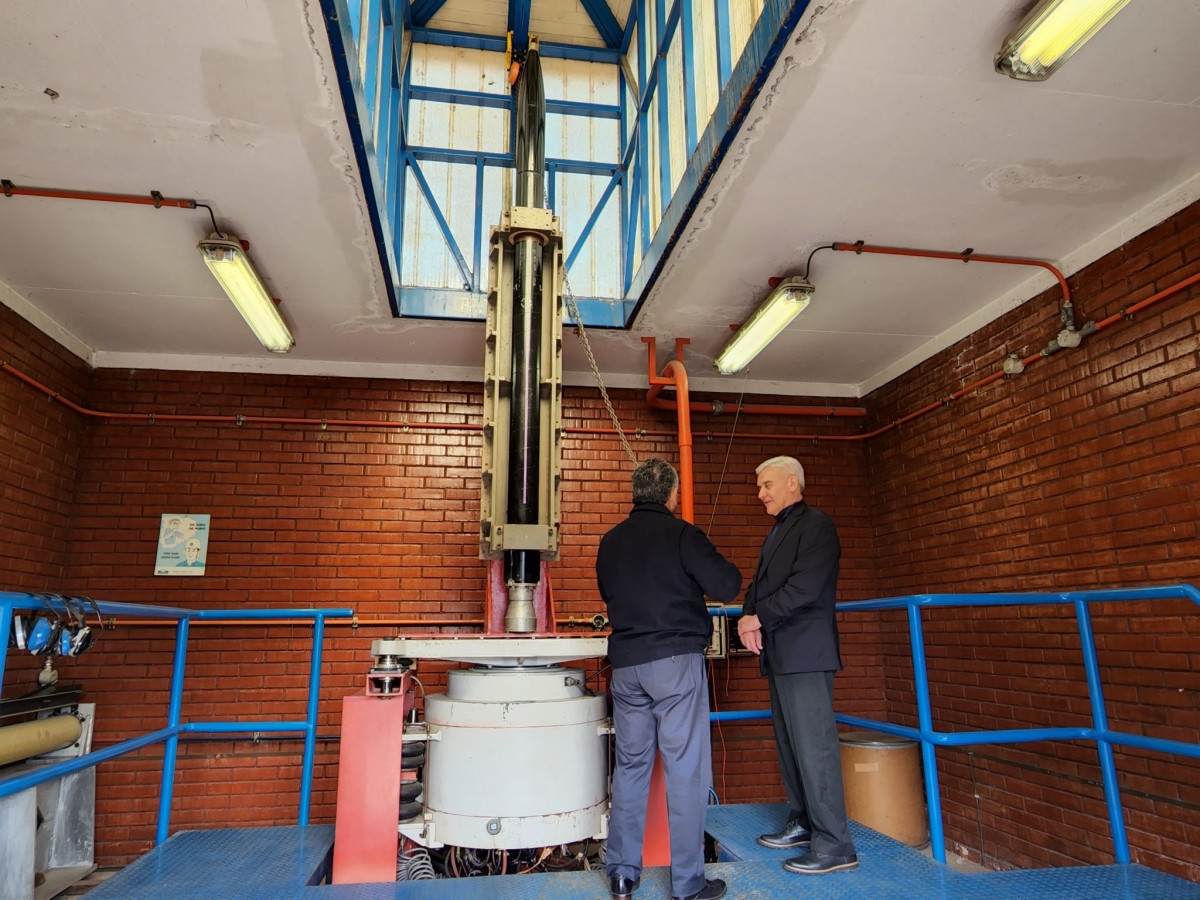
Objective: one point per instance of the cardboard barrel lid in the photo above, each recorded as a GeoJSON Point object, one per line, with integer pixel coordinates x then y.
{"type": "Point", "coordinates": [875, 739]}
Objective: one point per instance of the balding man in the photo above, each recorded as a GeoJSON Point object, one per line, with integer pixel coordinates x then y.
{"type": "Point", "coordinates": [789, 621]}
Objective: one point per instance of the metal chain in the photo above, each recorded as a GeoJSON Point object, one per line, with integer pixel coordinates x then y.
{"type": "Point", "coordinates": [581, 333]}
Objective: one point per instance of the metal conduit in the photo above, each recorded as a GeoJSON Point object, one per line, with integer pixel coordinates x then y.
{"type": "Point", "coordinates": [1120, 316]}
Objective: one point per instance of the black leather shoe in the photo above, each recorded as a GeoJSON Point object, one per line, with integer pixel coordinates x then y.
{"type": "Point", "coordinates": [714, 889]}
{"type": "Point", "coordinates": [793, 834]}
{"type": "Point", "coordinates": [820, 863]}
{"type": "Point", "coordinates": [622, 887]}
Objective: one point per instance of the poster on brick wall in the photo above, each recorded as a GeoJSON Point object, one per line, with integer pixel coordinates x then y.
{"type": "Point", "coordinates": [182, 544]}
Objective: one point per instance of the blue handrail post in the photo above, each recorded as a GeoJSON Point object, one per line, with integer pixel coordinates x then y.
{"type": "Point", "coordinates": [6, 611]}
{"type": "Point", "coordinates": [925, 719]}
{"type": "Point", "coordinates": [310, 728]}
{"type": "Point", "coordinates": [1108, 768]}
{"type": "Point", "coordinates": [172, 745]}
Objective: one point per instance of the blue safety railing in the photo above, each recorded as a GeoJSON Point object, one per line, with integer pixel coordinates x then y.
{"type": "Point", "coordinates": [9, 602]}
{"type": "Point", "coordinates": [930, 738]}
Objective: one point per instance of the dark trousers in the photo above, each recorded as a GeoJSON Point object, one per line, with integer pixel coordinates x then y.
{"type": "Point", "coordinates": [661, 706]}
{"type": "Point", "coordinates": [810, 759]}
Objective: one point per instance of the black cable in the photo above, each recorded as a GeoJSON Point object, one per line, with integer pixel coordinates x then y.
{"type": "Point", "coordinates": [811, 255]}
{"type": "Point", "coordinates": [216, 230]}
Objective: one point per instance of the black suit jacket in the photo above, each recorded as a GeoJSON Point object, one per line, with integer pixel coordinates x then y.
{"type": "Point", "coordinates": [793, 593]}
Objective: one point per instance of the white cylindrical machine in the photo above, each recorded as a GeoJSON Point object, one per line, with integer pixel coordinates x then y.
{"type": "Point", "coordinates": [518, 758]}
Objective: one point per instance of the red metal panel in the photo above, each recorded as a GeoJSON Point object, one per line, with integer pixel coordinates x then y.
{"type": "Point", "coordinates": [656, 848]}
{"type": "Point", "coordinates": [368, 804]}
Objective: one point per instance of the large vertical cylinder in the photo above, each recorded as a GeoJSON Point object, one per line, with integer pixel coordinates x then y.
{"type": "Point", "coordinates": [523, 567]}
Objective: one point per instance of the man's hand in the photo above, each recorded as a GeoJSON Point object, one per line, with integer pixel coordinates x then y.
{"type": "Point", "coordinates": [750, 633]}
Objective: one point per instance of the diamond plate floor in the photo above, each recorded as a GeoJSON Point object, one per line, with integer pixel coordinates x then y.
{"type": "Point", "coordinates": [285, 864]}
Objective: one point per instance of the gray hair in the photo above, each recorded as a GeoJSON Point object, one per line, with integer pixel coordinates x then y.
{"type": "Point", "coordinates": [789, 464]}
{"type": "Point", "coordinates": [653, 481]}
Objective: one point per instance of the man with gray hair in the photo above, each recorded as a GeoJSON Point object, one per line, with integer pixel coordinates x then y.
{"type": "Point", "coordinates": [653, 571]}
{"type": "Point", "coordinates": [789, 620]}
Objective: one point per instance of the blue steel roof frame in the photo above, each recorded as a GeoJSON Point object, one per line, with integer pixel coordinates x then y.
{"type": "Point", "coordinates": [342, 27]}
{"type": "Point", "coordinates": [518, 23]}
{"type": "Point", "coordinates": [432, 303]}
{"type": "Point", "coordinates": [411, 162]}
{"type": "Point", "coordinates": [547, 49]}
{"type": "Point", "coordinates": [689, 76]}
{"type": "Point", "coordinates": [606, 23]}
{"type": "Point", "coordinates": [724, 43]}
{"type": "Point", "coordinates": [767, 40]}
{"type": "Point", "coordinates": [422, 301]}
{"type": "Point", "coordinates": [424, 10]}
{"type": "Point", "coordinates": [668, 21]}
{"type": "Point", "coordinates": [744, 82]}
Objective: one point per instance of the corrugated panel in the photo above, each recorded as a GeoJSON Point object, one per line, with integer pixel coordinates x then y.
{"type": "Point", "coordinates": [677, 126]}
{"type": "Point", "coordinates": [566, 23]}
{"type": "Point", "coordinates": [427, 260]}
{"type": "Point", "coordinates": [473, 17]}
{"type": "Point", "coordinates": [708, 87]}
{"type": "Point", "coordinates": [579, 81]}
{"type": "Point", "coordinates": [743, 14]}
{"type": "Point", "coordinates": [652, 162]}
{"type": "Point", "coordinates": [453, 67]}
{"type": "Point", "coordinates": [596, 271]}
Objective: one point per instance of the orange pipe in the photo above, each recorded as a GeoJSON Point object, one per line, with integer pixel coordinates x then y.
{"type": "Point", "coordinates": [179, 203]}
{"type": "Point", "coordinates": [678, 380]}
{"type": "Point", "coordinates": [962, 257]}
{"type": "Point", "coordinates": [686, 484]}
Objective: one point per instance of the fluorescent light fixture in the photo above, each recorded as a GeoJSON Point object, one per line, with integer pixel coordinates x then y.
{"type": "Point", "coordinates": [783, 304]}
{"type": "Point", "coordinates": [1050, 33]}
{"type": "Point", "coordinates": [225, 258]}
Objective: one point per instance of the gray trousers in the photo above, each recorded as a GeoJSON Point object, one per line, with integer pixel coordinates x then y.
{"type": "Point", "coordinates": [663, 706]}
{"type": "Point", "coordinates": [810, 759]}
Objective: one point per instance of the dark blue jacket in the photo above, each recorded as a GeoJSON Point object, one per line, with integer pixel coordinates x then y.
{"type": "Point", "coordinates": [653, 571]}
{"type": "Point", "coordinates": [794, 592]}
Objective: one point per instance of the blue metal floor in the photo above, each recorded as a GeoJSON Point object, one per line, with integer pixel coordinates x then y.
{"type": "Point", "coordinates": [285, 863]}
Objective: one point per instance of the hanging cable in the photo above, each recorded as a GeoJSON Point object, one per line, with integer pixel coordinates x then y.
{"type": "Point", "coordinates": [581, 333]}
{"type": "Point", "coordinates": [808, 264]}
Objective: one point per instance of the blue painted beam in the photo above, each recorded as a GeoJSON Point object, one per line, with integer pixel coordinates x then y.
{"type": "Point", "coordinates": [548, 49]}
{"type": "Point", "coordinates": [441, 219]}
{"type": "Point", "coordinates": [605, 22]}
{"type": "Point", "coordinates": [471, 306]}
{"type": "Point", "coordinates": [591, 222]}
{"type": "Point", "coordinates": [666, 32]}
{"type": "Point", "coordinates": [469, 98]}
{"type": "Point", "coordinates": [689, 77]}
{"type": "Point", "coordinates": [345, 62]}
{"type": "Point", "coordinates": [767, 41]}
{"type": "Point", "coordinates": [518, 24]}
{"type": "Point", "coordinates": [724, 44]}
{"type": "Point", "coordinates": [424, 10]}
{"type": "Point", "coordinates": [631, 21]}
{"type": "Point", "coordinates": [468, 157]}
{"type": "Point", "coordinates": [504, 101]}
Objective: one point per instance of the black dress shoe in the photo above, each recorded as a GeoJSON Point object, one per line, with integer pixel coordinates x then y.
{"type": "Point", "coordinates": [793, 834]}
{"type": "Point", "coordinates": [821, 863]}
{"type": "Point", "coordinates": [714, 889]}
{"type": "Point", "coordinates": [622, 887]}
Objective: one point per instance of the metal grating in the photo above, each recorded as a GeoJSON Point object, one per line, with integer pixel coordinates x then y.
{"type": "Point", "coordinates": [277, 864]}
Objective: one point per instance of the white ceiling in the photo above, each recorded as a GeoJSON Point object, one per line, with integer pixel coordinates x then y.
{"type": "Point", "coordinates": [882, 121]}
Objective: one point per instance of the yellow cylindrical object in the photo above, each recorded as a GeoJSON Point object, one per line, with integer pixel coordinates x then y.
{"type": "Point", "coordinates": [884, 787]}
{"type": "Point", "coordinates": [26, 739]}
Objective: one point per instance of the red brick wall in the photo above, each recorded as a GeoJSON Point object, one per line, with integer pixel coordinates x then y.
{"type": "Point", "coordinates": [383, 520]}
{"type": "Point", "coordinates": [41, 440]}
{"type": "Point", "coordinates": [1080, 473]}
{"type": "Point", "coordinates": [1076, 474]}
